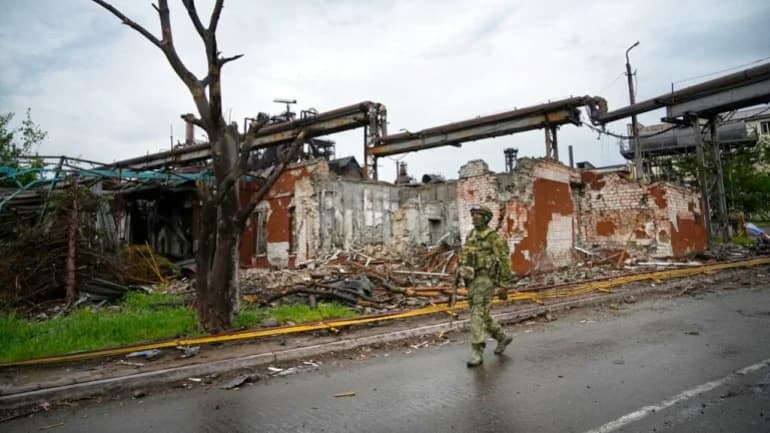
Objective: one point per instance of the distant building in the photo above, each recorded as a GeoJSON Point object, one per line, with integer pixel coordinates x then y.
{"type": "Point", "coordinates": [346, 167]}
{"type": "Point", "coordinates": [663, 145]}
{"type": "Point", "coordinates": [617, 168]}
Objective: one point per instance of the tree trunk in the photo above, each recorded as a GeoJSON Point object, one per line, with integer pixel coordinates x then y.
{"type": "Point", "coordinates": [217, 259]}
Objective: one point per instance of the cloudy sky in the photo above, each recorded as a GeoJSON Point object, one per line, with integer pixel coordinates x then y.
{"type": "Point", "coordinates": [105, 93]}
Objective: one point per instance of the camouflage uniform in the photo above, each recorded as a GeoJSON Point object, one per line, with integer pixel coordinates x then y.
{"type": "Point", "coordinates": [485, 263]}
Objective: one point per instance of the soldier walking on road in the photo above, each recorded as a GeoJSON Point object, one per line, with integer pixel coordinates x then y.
{"type": "Point", "coordinates": [484, 264]}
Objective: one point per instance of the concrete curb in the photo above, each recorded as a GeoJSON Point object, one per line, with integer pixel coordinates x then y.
{"type": "Point", "coordinates": [25, 397]}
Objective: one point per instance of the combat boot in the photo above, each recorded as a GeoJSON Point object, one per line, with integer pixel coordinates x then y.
{"type": "Point", "coordinates": [502, 343]}
{"type": "Point", "coordinates": [477, 352]}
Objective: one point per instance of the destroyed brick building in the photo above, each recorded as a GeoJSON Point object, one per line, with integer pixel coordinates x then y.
{"type": "Point", "coordinates": [551, 214]}
{"type": "Point", "coordinates": [542, 207]}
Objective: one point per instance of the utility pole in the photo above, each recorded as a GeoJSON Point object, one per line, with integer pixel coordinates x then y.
{"type": "Point", "coordinates": [634, 125]}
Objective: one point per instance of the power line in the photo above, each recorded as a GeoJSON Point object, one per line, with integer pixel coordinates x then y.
{"type": "Point", "coordinates": [719, 72]}
{"type": "Point", "coordinates": [611, 83]}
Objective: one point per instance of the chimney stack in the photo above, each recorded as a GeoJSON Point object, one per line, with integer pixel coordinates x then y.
{"type": "Point", "coordinates": [189, 133]}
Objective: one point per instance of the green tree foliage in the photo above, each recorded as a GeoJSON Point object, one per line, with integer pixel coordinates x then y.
{"type": "Point", "coordinates": [747, 180]}
{"type": "Point", "coordinates": [16, 142]}
{"type": "Point", "coordinates": [746, 177]}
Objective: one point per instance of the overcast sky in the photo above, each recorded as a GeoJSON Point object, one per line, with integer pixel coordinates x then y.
{"type": "Point", "coordinates": [105, 93]}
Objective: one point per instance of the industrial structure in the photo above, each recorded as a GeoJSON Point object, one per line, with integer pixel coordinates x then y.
{"type": "Point", "coordinates": [544, 209]}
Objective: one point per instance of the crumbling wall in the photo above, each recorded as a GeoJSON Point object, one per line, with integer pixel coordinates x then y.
{"type": "Point", "coordinates": [307, 208]}
{"type": "Point", "coordinates": [532, 208]}
{"type": "Point", "coordinates": [657, 220]}
{"type": "Point", "coordinates": [319, 214]}
{"type": "Point", "coordinates": [426, 215]}
{"type": "Point", "coordinates": [681, 208]}
{"type": "Point", "coordinates": [337, 214]}
{"type": "Point", "coordinates": [279, 206]}
{"type": "Point", "coordinates": [542, 208]}
{"type": "Point", "coordinates": [353, 213]}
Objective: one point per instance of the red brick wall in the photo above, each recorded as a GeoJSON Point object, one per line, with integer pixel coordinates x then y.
{"type": "Point", "coordinates": [533, 210]}
{"type": "Point", "coordinates": [660, 220]}
{"type": "Point", "coordinates": [277, 202]}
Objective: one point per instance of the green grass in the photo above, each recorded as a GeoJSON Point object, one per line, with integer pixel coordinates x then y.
{"type": "Point", "coordinates": [250, 316]}
{"type": "Point", "coordinates": [141, 318]}
{"type": "Point", "coordinates": [743, 240]}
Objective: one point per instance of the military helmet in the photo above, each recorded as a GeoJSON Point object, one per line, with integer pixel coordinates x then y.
{"type": "Point", "coordinates": [483, 210]}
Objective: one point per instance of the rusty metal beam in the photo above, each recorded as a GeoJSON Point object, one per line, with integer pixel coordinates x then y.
{"type": "Point", "coordinates": [720, 102]}
{"type": "Point", "coordinates": [476, 129]}
{"type": "Point", "coordinates": [329, 122]}
{"type": "Point", "coordinates": [728, 84]}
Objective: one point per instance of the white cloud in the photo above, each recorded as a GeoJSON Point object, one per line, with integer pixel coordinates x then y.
{"type": "Point", "coordinates": [105, 93]}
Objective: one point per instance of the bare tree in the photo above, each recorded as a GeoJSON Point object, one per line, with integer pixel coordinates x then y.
{"type": "Point", "coordinates": [222, 218]}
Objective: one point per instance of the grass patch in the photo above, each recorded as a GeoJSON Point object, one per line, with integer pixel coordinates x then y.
{"type": "Point", "coordinates": [141, 318]}
{"type": "Point", "coordinates": [743, 240]}
{"type": "Point", "coordinates": [251, 315]}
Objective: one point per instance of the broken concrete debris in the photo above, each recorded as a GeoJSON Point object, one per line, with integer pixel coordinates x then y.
{"type": "Point", "coordinates": [367, 282]}
{"type": "Point", "coordinates": [145, 354]}
{"type": "Point", "coordinates": [188, 351]}
{"type": "Point", "coordinates": [241, 380]}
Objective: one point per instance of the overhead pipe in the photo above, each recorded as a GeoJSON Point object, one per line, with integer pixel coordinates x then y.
{"type": "Point", "coordinates": [740, 78]}
{"type": "Point", "coordinates": [538, 116]}
{"type": "Point", "coordinates": [329, 122]}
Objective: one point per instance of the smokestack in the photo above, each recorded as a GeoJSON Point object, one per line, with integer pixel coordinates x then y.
{"type": "Point", "coordinates": [188, 133]}
{"type": "Point", "coordinates": [402, 177]}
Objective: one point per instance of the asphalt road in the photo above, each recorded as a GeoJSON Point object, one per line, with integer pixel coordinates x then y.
{"type": "Point", "coordinates": [687, 364]}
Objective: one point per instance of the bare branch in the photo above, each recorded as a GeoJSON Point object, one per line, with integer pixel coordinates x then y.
{"type": "Point", "coordinates": [166, 44]}
{"type": "Point", "coordinates": [206, 81]}
{"type": "Point", "coordinates": [130, 23]}
{"type": "Point", "coordinates": [193, 13]}
{"type": "Point", "coordinates": [189, 117]}
{"type": "Point", "coordinates": [223, 60]}
{"type": "Point", "coordinates": [296, 145]}
{"type": "Point", "coordinates": [224, 186]}
{"type": "Point", "coordinates": [215, 16]}
{"type": "Point", "coordinates": [249, 137]}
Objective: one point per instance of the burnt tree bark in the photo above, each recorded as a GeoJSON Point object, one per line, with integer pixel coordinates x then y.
{"type": "Point", "coordinates": [222, 217]}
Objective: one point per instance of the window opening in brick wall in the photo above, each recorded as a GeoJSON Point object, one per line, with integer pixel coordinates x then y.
{"type": "Point", "coordinates": [260, 228]}
{"type": "Point", "coordinates": [765, 127]}
{"type": "Point", "coordinates": [436, 230]}
{"type": "Point", "coordinates": [292, 231]}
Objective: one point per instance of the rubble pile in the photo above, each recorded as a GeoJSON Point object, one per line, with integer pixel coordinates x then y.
{"type": "Point", "coordinates": [374, 280]}
{"type": "Point", "coordinates": [377, 281]}
{"type": "Point", "coordinates": [66, 242]}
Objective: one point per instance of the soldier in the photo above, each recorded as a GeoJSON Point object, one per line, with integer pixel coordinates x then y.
{"type": "Point", "coordinates": [484, 265]}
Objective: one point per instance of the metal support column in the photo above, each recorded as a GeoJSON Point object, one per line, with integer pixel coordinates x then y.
{"type": "Point", "coordinates": [724, 226]}
{"type": "Point", "coordinates": [702, 178]}
{"type": "Point", "coordinates": [373, 132]}
{"type": "Point", "coordinates": [554, 143]}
